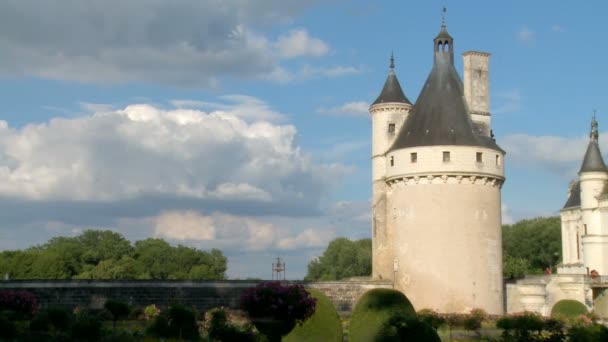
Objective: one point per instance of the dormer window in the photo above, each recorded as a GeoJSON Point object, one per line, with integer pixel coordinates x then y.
{"type": "Point", "coordinates": [391, 128]}
{"type": "Point", "coordinates": [446, 156]}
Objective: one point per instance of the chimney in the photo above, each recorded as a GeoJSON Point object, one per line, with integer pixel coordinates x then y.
{"type": "Point", "coordinates": [477, 89]}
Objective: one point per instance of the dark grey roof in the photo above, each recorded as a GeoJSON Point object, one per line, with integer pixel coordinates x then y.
{"type": "Point", "coordinates": [593, 161]}
{"type": "Point", "coordinates": [574, 199]}
{"type": "Point", "coordinates": [392, 91]}
{"type": "Point", "coordinates": [443, 34]}
{"type": "Point", "coordinates": [440, 115]}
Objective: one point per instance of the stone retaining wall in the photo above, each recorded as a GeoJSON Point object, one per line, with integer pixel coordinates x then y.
{"type": "Point", "coordinates": [203, 295]}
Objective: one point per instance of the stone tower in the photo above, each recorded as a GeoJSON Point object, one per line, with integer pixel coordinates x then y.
{"type": "Point", "coordinates": [388, 113]}
{"type": "Point", "coordinates": [436, 197]}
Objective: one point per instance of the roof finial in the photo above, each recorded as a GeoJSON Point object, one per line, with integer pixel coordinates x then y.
{"type": "Point", "coordinates": [444, 10]}
{"type": "Point", "coordinates": [594, 135]}
{"type": "Point", "coordinates": [392, 65]}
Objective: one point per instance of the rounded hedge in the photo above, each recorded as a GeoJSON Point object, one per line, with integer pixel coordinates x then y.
{"type": "Point", "coordinates": [374, 310]}
{"type": "Point", "coordinates": [323, 325]}
{"type": "Point", "coordinates": [568, 308]}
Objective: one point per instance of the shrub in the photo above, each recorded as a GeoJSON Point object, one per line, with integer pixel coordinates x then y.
{"type": "Point", "coordinates": [275, 309]}
{"type": "Point", "coordinates": [323, 325]}
{"type": "Point", "coordinates": [119, 310]}
{"type": "Point", "coordinates": [592, 333]}
{"type": "Point", "coordinates": [407, 328]}
{"type": "Point", "coordinates": [159, 326]}
{"type": "Point", "coordinates": [20, 303]}
{"type": "Point", "coordinates": [151, 311]}
{"type": "Point", "coordinates": [52, 319]}
{"type": "Point", "coordinates": [431, 317]}
{"type": "Point", "coordinates": [8, 330]}
{"type": "Point", "coordinates": [522, 326]}
{"type": "Point", "coordinates": [177, 322]}
{"type": "Point", "coordinates": [473, 320]}
{"type": "Point", "coordinates": [568, 309]}
{"type": "Point", "coordinates": [374, 309]}
{"type": "Point", "coordinates": [220, 329]}
{"type": "Point", "coordinates": [137, 313]}
{"type": "Point", "coordinates": [86, 327]}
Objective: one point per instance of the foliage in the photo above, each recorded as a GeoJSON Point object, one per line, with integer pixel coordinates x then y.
{"type": "Point", "coordinates": [151, 311]}
{"type": "Point", "coordinates": [591, 333]}
{"type": "Point", "coordinates": [177, 322]}
{"type": "Point", "coordinates": [275, 309]}
{"type": "Point", "coordinates": [220, 329]}
{"type": "Point", "coordinates": [119, 310]}
{"type": "Point", "coordinates": [473, 320]}
{"type": "Point", "coordinates": [86, 327]}
{"type": "Point", "coordinates": [431, 317]}
{"type": "Point", "coordinates": [523, 326]}
{"type": "Point", "coordinates": [536, 240]}
{"type": "Point", "coordinates": [406, 328]}
{"type": "Point", "coordinates": [8, 331]}
{"type": "Point", "coordinates": [52, 319]}
{"type": "Point", "coordinates": [19, 303]}
{"type": "Point", "coordinates": [108, 255]}
{"type": "Point", "coordinates": [343, 258]}
{"type": "Point", "coordinates": [374, 309]}
{"type": "Point", "coordinates": [323, 325]}
{"type": "Point", "coordinates": [567, 309]}
{"type": "Point", "coordinates": [515, 267]}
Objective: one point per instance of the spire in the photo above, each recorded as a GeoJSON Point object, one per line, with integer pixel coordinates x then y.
{"type": "Point", "coordinates": [443, 11]}
{"type": "Point", "coordinates": [444, 42]}
{"type": "Point", "coordinates": [593, 161]}
{"type": "Point", "coordinates": [392, 92]}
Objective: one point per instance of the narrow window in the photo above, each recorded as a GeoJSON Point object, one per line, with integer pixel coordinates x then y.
{"type": "Point", "coordinates": [497, 160]}
{"type": "Point", "coordinates": [479, 157]}
{"type": "Point", "coordinates": [392, 161]}
{"type": "Point", "coordinates": [414, 157]}
{"type": "Point", "coordinates": [446, 156]}
{"type": "Point", "coordinates": [578, 251]}
{"type": "Point", "coordinates": [391, 128]}
{"type": "Point", "coordinates": [585, 227]}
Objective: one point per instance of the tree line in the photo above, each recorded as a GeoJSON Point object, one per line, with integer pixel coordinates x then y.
{"type": "Point", "coordinates": [529, 247]}
{"type": "Point", "coordinates": [106, 254]}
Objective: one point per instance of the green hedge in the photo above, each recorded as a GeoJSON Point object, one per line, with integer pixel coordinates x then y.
{"type": "Point", "coordinates": [324, 325]}
{"type": "Point", "coordinates": [374, 310]}
{"type": "Point", "coordinates": [568, 308]}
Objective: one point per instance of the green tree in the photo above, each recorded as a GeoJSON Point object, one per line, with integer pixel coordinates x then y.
{"type": "Point", "coordinates": [343, 258]}
{"type": "Point", "coordinates": [536, 240]}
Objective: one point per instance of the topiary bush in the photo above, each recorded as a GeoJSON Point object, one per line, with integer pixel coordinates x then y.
{"type": "Point", "coordinates": [568, 309]}
{"type": "Point", "coordinates": [406, 328]}
{"type": "Point", "coordinates": [177, 322]}
{"type": "Point", "coordinates": [590, 333]}
{"type": "Point", "coordinates": [323, 325]}
{"type": "Point", "coordinates": [374, 309]}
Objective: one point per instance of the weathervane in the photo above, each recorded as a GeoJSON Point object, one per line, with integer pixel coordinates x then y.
{"type": "Point", "coordinates": [443, 11]}
{"type": "Point", "coordinates": [278, 268]}
{"type": "Point", "coordinates": [392, 66]}
{"type": "Point", "coordinates": [594, 135]}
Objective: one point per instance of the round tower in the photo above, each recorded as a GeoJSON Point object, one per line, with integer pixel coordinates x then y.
{"type": "Point", "coordinates": [443, 199]}
{"type": "Point", "coordinates": [388, 114]}
{"type": "Point", "coordinates": [593, 178]}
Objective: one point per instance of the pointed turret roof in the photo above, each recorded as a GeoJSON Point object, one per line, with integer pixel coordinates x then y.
{"type": "Point", "coordinates": [574, 195]}
{"type": "Point", "coordinates": [440, 115]}
{"type": "Point", "coordinates": [392, 92]}
{"type": "Point", "coordinates": [593, 161]}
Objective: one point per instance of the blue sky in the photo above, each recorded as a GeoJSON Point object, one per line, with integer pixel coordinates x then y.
{"type": "Point", "coordinates": [243, 124]}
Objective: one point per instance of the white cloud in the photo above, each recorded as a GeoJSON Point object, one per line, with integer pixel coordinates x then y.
{"type": "Point", "coordinates": [245, 107]}
{"type": "Point", "coordinates": [143, 150]}
{"type": "Point", "coordinates": [336, 71]}
{"type": "Point", "coordinates": [356, 108]}
{"type": "Point", "coordinates": [298, 43]}
{"type": "Point", "coordinates": [152, 40]}
{"type": "Point", "coordinates": [307, 238]}
{"type": "Point", "coordinates": [507, 217]}
{"type": "Point", "coordinates": [187, 225]}
{"type": "Point", "coordinates": [526, 35]}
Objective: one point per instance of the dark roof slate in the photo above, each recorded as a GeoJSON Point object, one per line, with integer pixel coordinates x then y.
{"type": "Point", "coordinates": [593, 161]}
{"type": "Point", "coordinates": [574, 199]}
{"type": "Point", "coordinates": [392, 92]}
{"type": "Point", "coordinates": [440, 115]}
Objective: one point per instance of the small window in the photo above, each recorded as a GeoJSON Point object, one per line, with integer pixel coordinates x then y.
{"type": "Point", "coordinates": [479, 157]}
{"type": "Point", "coordinates": [392, 161]}
{"type": "Point", "coordinates": [497, 160]}
{"type": "Point", "coordinates": [391, 128]}
{"type": "Point", "coordinates": [446, 156]}
{"type": "Point", "coordinates": [585, 226]}
{"type": "Point", "coordinates": [414, 157]}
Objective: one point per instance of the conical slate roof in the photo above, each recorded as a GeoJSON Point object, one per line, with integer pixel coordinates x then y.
{"type": "Point", "coordinates": [574, 199]}
{"type": "Point", "coordinates": [593, 161]}
{"type": "Point", "coordinates": [440, 115]}
{"type": "Point", "coordinates": [392, 92]}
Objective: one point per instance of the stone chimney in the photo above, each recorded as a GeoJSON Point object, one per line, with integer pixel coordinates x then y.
{"type": "Point", "coordinates": [477, 89]}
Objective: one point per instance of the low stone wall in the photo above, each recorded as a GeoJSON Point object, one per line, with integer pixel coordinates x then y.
{"type": "Point", "coordinates": [203, 295]}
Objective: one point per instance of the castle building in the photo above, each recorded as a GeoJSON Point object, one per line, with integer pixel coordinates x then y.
{"type": "Point", "coordinates": [437, 174]}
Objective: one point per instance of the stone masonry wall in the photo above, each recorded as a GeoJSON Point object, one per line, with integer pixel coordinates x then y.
{"type": "Point", "coordinates": [203, 295]}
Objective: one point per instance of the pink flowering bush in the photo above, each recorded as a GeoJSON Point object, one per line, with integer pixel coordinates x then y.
{"type": "Point", "coordinates": [275, 309]}
{"type": "Point", "coordinates": [20, 303]}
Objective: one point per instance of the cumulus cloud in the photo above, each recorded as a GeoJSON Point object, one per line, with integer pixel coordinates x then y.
{"type": "Point", "coordinates": [185, 43]}
{"type": "Point", "coordinates": [143, 151]}
{"type": "Point", "coordinates": [297, 43]}
{"type": "Point", "coordinates": [355, 108]}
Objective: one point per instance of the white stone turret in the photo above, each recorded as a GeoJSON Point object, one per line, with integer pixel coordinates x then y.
{"type": "Point", "coordinates": [388, 113]}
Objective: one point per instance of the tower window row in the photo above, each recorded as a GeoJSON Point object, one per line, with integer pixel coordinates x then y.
{"type": "Point", "coordinates": [446, 158]}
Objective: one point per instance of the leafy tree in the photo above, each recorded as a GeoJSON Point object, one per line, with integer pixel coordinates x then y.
{"type": "Point", "coordinates": [343, 258]}
{"type": "Point", "coordinates": [538, 241]}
